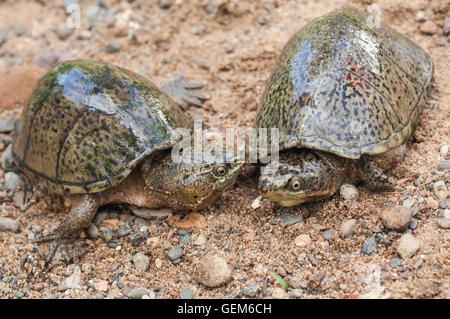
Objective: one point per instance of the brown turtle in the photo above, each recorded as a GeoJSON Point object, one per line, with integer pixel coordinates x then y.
{"type": "Point", "coordinates": [344, 95]}
{"type": "Point", "coordinates": [101, 134]}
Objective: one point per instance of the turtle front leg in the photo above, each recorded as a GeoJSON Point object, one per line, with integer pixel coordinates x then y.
{"type": "Point", "coordinates": [184, 93]}
{"type": "Point", "coordinates": [373, 176]}
{"type": "Point", "coordinates": [83, 211]}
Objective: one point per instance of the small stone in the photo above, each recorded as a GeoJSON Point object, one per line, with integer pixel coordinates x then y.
{"type": "Point", "coordinates": [313, 259]}
{"type": "Point", "coordinates": [113, 293]}
{"type": "Point", "coordinates": [158, 263]}
{"type": "Point", "coordinates": [101, 286]}
{"type": "Point", "coordinates": [211, 271]}
{"type": "Point", "coordinates": [441, 41]}
{"type": "Point", "coordinates": [99, 217]}
{"type": "Point", "coordinates": [444, 165]}
{"type": "Point", "coordinates": [86, 268]}
{"type": "Point", "coordinates": [2, 37]}
{"type": "Point", "coordinates": [63, 32]}
{"type": "Point", "coordinates": [9, 224]}
{"type": "Point", "coordinates": [256, 203]}
{"type": "Point", "coordinates": [443, 222]}
{"type": "Point", "coordinates": [184, 238]}
{"type": "Point", "coordinates": [107, 235]}
{"type": "Point", "coordinates": [92, 13]}
{"type": "Point", "coordinates": [329, 234]}
{"type": "Point", "coordinates": [296, 293]}
{"type": "Point", "coordinates": [19, 294]}
{"type": "Point", "coordinates": [443, 204]}
{"type": "Point", "coordinates": [19, 199]}
{"type": "Point", "coordinates": [290, 219]}
{"type": "Point", "coordinates": [429, 27]}
{"type": "Point", "coordinates": [165, 4]}
{"type": "Point", "coordinates": [413, 224]}
{"type": "Point", "coordinates": [446, 28]}
{"type": "Point", "coordinates": [281, 271]}
{"type": "Point", "coordinates": [6, 160]}
{"type": "Point", "coordinates": [420, 16]}
{"type": "Point", "coordinates": [12, 180]}
{"type": "Point", "coordinates": [47, 60]}
{"type": "Point", "coordinates": [137, 293]}
{"type": "Point", "coordinates": [92, 232]}
{"type": "Point", "coordinates": [303, 240]}
{"type": "Point", "coordinates": [407, 246]}
{"type": "Point", "coordinates": [200, 240]}
{"type": "Point", "coordinates": [369, 246]}
{"type": "Point", "coordinates": [349, 192]}
{"type": "Point", "coordinates": [73, 280]}
{"type": "Point", "coordinates": [279, 293]}
{"type": "Point", "coordinates": [251, 291]}
{"type": "Point", "coordinates": [149, 213]}
{"type": "Point", "coordinates": [408, 203]}
{"type": "Point", "coordinates": [395, 262]}
{"type": "Point", "coordinates": [348, 227]}
{"type": "Point", "coordinates": [440, 190]}
{"type": "Point", "coordinates": [446, 213]}
{"type": "Point", "coordinates": [141, 262]}
{"type": "Point", "coordinates": [137, 239]}
{"type": "Point", "coordinates": [205, 64]}
{"type": "Point", "coordinates": [175, 253]}
{"type": "Point", "coordinates": [186, 294]}
{"type": "Point", "coordinates": [444, 149]}
{"type": "Point", "coordinates": [112, 47]}
{"type": "Point", "coordinates": [397, 217]}
{"type": "Point", "coordinates": [7, 125]}
{"type": "Point", "coordinates": [123, 232]}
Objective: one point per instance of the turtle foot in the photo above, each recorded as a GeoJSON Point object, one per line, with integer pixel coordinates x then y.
{"type": "Point", "coordinates": [185, 93]}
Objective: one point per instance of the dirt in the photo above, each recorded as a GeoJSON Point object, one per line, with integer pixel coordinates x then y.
{"type": "Point", "coordinates": [232, 46]}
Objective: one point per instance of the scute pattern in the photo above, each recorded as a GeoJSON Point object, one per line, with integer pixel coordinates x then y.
{"type": "Point", "coordinates": [343, 87]}
{"type": "Point", "coordinates": [87, 125]}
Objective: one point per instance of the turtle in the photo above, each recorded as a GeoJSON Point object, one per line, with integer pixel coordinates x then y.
{"type": "Point", "coordinates": [98, 134]}
{"type": "Point", "coordinates": [345, 96]}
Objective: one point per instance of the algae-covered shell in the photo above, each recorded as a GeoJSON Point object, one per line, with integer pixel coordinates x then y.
{"type": "Point", "coordinates": [346, 87]}
{"type": "Point", "coordinates": [88, 124]}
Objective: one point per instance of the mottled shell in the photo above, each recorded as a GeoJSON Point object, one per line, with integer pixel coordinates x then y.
{"type": "Point", "coordinates": [87, 125]}
{"type": "Point", "coordinates": [345, 87]}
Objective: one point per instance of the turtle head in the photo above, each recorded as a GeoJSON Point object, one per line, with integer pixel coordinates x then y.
{"type": "Point", "coordinates": [190, 183]}
{"type": "Point", "coordinates": [300, 176]}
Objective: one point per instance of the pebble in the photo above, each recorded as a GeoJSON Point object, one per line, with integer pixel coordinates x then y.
{"type": "Point", "coordinates": [112, 47]}
{"type": "Point", "coordinates": [47, 60]}
{"type": "Point", "coordinates": [369, 246]}
{"type": "Point", "coordinates": [174, 253]}
{"type": "Point", "coordinates": [397, 217]}
{"type": "Point", "coordinates": [407, 246]}
{"type": "Point", "coordinates": [149, 213]}
{"type": "Point", "coordinates": [200, 240]}
{"type": "Point", "coordinates": [63, 32]}
{"type": "Point", "coordinates": [296, 293]}
{"type": "Point", "coordinates": [413, 224]}
{"type": "Point", "coordinates": [137, 239]}
{"type": "Point", "coordinates": [443, 204]}
{"type": "Point", "coordinates": [408, 203]}
{"type": "Point", "coordinates": [7, 125]}
{"type": "Point", "coordinates": [165, 4]}
{"type": "Point", "coordinates": [251, 291]}
{"type": "Point", "coordinates": [313, 259]}
{"type": "Point", "coordinates": [303, 240]}
{"type": "Point", "coordinates": [441, 41]}
{"type": "Point", "coordinates": [444, 148]}
{"type": "Point", "coordinates": [101, 286]}
{"type": "Point", "coordinates": [440, 190]}
{"type": "Point", "coordinates": [19, 199]}
{"type": "Point", "coordinates": [73, 280]}
{"type": "Point", "coordinates": [2, 37]}
{"type": "Point", "coordinates": [429, 27]}
{"type": "Point", "coordinates": [446, 28]}
{"type": "Point", "coordinates": [420, 16]}
{"type": "Point", "coordinates": [446, 213]}
{"type": "Point", "coordinates": [444, 165]}
{"type": "Point", "coordinates": [279, 293]}
{"type": "Point", "coordinates": [257, 202]}
{"type": "Point", "coordinates": [184, 237]}
{"type": "Point", "coordinates": [92, 13]}
{"type": "Point", "coordinates": [141, 262]}
{"type": "Point", "coordinates": [92, 232]}
{"type": "Point", "coordinates": [12, 180]}
{"type": "Point", "coordinates": [395, 262]}
{"type": "Point", "coordinates": [99, 217]}
{"type": "Point", "coordinates": [186, 294]}
{"type": "Point", "coordinates": [107, 235]}
{"type": "Point", "coordinates": [329, 234]}
{"type": "Point", "coordinates": [205, 64]}
{"type": "Point", "coordinates": [443, 223]}
{"type": "Point", "coordinates": [348, 227]}
{"type": "Point", "coordinates": [6, 160]}
{"type": "Point", "coordinates": [211, 271]}
{"type": "Point", "coordinates": [9, 224]}
{"type": "Point", "coordinates": [137, 293]}
{"type": "Point", "coordinates": [349, 192]}
{"type": "Point", "coordinates": [123, 232]}
{"type": "Point", "coordinates": [158, 263]}
{"type": "Point", "coordinates": [290, 219]}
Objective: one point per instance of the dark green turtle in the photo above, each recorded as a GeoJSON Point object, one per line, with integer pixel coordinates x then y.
{"type": "Point", "coordinates": [101, 134]}
{"type": "Point", "coordinates": [342, 92]}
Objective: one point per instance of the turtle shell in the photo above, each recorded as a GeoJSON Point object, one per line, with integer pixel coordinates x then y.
{"type": "Point", "coordinates": [88, 124]}
{"type": "Point", "coordinates": [345, 87]}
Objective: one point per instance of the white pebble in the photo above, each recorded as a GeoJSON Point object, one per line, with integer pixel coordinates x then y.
{"type": "Point", "coordinates": [349, 192]}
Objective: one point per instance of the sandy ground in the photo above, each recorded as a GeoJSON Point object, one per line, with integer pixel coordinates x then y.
{"type": "Point", "coordinates": [232, 46]}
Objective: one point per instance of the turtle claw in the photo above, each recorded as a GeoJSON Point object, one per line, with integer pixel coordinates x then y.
{"type": "Point", "coordinates": [185, 93]}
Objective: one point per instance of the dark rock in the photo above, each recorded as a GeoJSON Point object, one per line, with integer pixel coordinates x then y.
{"type": "Point", "coordinates": [369, 246]}
{"type": "Point", "coordinates": [290, 219]}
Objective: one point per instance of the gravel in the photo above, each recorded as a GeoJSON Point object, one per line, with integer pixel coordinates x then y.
{"type": "Point", "coordinates": [141, 262]}
{"type": "Point", "coordinates": [413, 224]}
{"type": "Point", "coordinates": [186, 294]}
{"type": "Point", "coordinates": [444, 165]}
{"type": "Point", "coordinates": [446, 28]}
{"type": "Point", "coordinates": [6, 160]}
{"type": "Point", "coordinates": [107, 235]}
{"type": "Point", "coordinates": [112, 47]}
{"type": "Point", "coordinates": [440, 190]}
{"type": "Point", "coordinates": [349, 192]}
{"type": "Point", "coordinates": [369, 246]}
{"type": "Point", "coordinates": [443, 204]}
{"type": "Point", "coordinates": [174, 253]}
{"type": "Point", "coordinates": [211, 271]}
{"type": "Point", "coordinates": [348, 227]}
{"type": "Point", "coordinates": [407, 246]}
{"type": "Point", "coordinates": [137, 239]}
{"type": "Point", "coordinates": [12, 180]}
{"type": "Point", "coordinates": [251, 291]}
{"type": "Point", "coordinates": [63, 32]}
{"type": "Point", "coordinates": [9, 224]}
{"type": "Point", "coordinates": [137, 293]}
{"type": "Point", "coordinates": [397, 217]}
{"type": "Point", "coordinates": [92, 232]}
{"type": "Point", "coordinates": [2, 37]}
{"type": "Point", "coordinates": [395, 262]}
{"type": "Point", "coordinates": [303, 240]}
{"type": "Point", "coordinates": [73, 280]}
{"type": "Point", "coordinates": [329, 234]}
{"type": "Point", "coordinates": [123, 232]}
{"type": "Point", "coordinates": [290, 219]}
{"type": "Point", "coordinates": [443, 223]}
{"type": "Point", "coordinates": [429, 27]}
{"type": "Point", "coordinates": [184, 237]}
{"type": "Point", "coordinates": [7, 125]}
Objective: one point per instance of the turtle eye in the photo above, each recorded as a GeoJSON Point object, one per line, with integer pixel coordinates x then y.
{"type": "Point", "coordinates": [220, 170]}
{"type": "Point", "coordinates": [295, 184]}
